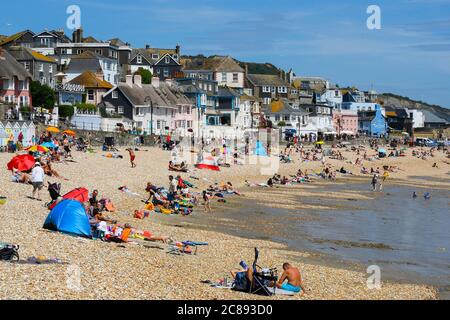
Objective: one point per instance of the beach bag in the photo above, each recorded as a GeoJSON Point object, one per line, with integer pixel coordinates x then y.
{"type": "Point", "coordinates": [9, 252]}
{"type": "Point", "coordinates": [150, 207]}
{"type": "Point", "coordinates": [241, 282]}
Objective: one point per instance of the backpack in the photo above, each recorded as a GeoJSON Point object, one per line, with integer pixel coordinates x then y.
{"type": "Point", "coordinates": [9, 252]}
{"type": "Point", "coordinates": [241, 283]}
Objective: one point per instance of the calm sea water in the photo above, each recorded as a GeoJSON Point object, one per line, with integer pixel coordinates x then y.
{"type": "Point", "coordinates": [408, 238]}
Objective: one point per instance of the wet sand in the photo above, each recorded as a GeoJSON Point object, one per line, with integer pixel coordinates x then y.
{"type": "Point", "coordinates": [135, 271]}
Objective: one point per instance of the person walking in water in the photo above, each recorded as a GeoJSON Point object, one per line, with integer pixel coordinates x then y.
{"type": "Point", "coordinates": [374, 182]}
{"type": "Point", "coordinates": [132, 157]}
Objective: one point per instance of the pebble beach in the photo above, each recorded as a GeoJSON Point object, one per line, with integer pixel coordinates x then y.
{"type": "Point", "coordinates": [145, 270]}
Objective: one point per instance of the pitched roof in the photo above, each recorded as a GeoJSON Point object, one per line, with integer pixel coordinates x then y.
{"type": "Point", "coordinates": [9, 67]}
{"type": "Point", "coordinates": [88, 79]}
{"type": "Point", "coordinates": [266, 80]}
{"type": "Point", "coordinates": [90, 40]}
{"type": "Point", "coordinates": [283, 106]}
{"type": "Point", "coordinates": [86, 61]}
{"type": "Point", "coordinates": [430, 117]}
{"type": "Point", "coordinates": [163, 96]}
{"type": "Point", "coordinates": [215, 63]}
{"type": "Point", "coordinates": [14, 37]}
{"type": "Point", "coordinates": [117, 42]}
{"type": "Point", "coordinates": [22, 53]}
{"type": "Point", "coordinates": [148, 53]}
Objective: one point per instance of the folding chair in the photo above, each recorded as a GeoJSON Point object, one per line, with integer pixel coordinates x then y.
{"type": "Point", "coordinates": [261, 280]}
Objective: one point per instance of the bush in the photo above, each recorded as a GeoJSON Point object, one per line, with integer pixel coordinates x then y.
{"type": "Point", "coordinates": [86, 106]}
{"type": "Point", "coordinates": [66, 111]}
{"type": "Point", "coordinates": [282, 124]}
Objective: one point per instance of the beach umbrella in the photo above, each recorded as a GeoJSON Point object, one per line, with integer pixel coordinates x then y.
{"type": "Point", "coordinates": [49, 145]}
{"type": "Point", "coordinates": [23, 162]}
{"type": "Point", "coordinates": [70, 133]}
{"type": "Point", "coordinates": [53, 129]}
{"type": "Point", "coordinates": [79, 194]}
{"type": "Point", "coordinates": [37, 149]}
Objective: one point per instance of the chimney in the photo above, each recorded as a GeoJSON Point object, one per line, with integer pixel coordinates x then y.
{"type": "Point", "coordinates": [155, 82]}
{"type": "Point", "coordinates": [177, 50]}
{"type": "Point", "coordinates": [77, 36]}
{"type": "Point", "coordinates": [246, 70]}
{"type": "Point", "coordinates": [138, 80]}
{"type": "Point", "coordinates": [99, 74]}
{"type": "Point", "coordinates": [147, 46]}
{"type": "Point", "coordinates": [129, 80]}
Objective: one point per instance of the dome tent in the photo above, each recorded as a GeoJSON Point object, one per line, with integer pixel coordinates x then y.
{"type": "Point", "coordinates": [69, 216]}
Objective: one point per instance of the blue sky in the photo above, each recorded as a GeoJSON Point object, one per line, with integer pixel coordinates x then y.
{"type": "Point", "coordinates": [410, 55]}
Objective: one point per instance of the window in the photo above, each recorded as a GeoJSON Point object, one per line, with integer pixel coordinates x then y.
{"type": "Point", "coordinates": [277, 118]}
{"type": "Point", "coordinates": [210, 87]}
{"type": "Point", "coordinates": [41, 67]}
{"type": "Point", "coordinates": [266, 89]}
{"type": "Point", "coordinates": [267, 100]}
{"type": "Point", "coordinates": [158, 71]}
{"type": "Point", "coordinates": [282, 90]}
{"type": "Point", "coordinates": [235, 77]}
{"type": "Point", "coordinates": [99, 51]}
{"type": "Point", "coordinates": [224, 77]}
{"type": "Point", "coordinates": [27, 65]}
{"type": "Point", "coordinates": [273, 89]}
{"type": "Point", "coordinates": [167, 59]}
{"type": "Point", "coordinates": [286, 118]}
{"type": "Point", "coordinates": [8, 84]}
{"type": "Point", "coordinates": [175, 56]}
{"type": "Point", "coordinates": [50, 68]}
{"type": "Point", "coordinates": [115, 94]}
{"type": "Point", "coordinates": [139, 59]}
{"type": "Point", "coordinates": [155, 56]}
{"type": "Point", "coordinates": [91, 95]}
{"type": "Point", "coordinates": [158, 124]}
{"type": "Point", "coordinates": [120, 110]}
{"type": "Point", "coordinates": [80, 51]}
{"type": "Point", "coordinates": [166, 72]}
{"type": "Point", "coordinates": [22, 85]}
{"type": "Point", "coordinates": [23, 101]}
{"type": "Point", "coordinates": [63, 51]}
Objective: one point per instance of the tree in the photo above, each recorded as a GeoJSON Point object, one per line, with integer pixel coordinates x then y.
{"type": "Point", "coordinates": [43, 96]}
{"type": "Point", "coordinates": [146, 75]}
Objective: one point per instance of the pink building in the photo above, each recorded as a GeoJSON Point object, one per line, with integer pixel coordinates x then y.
{"type": "Point", "coordinates": [345, 122]}
{"type": "Point", "coordinates": [14, 83]}
{"type": "Point", "coordinates": [183, 119]}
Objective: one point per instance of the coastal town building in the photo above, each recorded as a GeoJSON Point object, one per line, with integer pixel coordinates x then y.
{"type": "Point", "coordinates": [42, 68]}
{"type": "Point", "coordinates": [268, 87]}
{"type": "Point", "coordinates": [163, 63]}
{"type": "Point", "coordinates": [345, 122]}
{"type": "Point", "coordinates": [152, 108]}
{"type": "Point", "coordinates": [223, 69]}
{"type": "Point", "coordinates": [14, 85]}
{"type": "Point", "coordinates": [372, 123]}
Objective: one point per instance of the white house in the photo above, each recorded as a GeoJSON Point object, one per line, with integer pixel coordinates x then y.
{"type": "Point", "coordinates": [417, 116]}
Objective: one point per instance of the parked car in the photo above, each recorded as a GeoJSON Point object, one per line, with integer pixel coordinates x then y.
{"type": "Point", "coordinates": [426, 142]}
{"type": "Point", "coordinates": [443, 143]}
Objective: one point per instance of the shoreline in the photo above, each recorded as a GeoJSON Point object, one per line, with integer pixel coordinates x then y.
{"type": "Point", "coordinates": [111, 271]}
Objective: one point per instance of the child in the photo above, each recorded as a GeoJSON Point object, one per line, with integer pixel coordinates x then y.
{"type": "Point", "coordinates": [132, 157]}
{"type": "Point", "coordinates": [207, 202]}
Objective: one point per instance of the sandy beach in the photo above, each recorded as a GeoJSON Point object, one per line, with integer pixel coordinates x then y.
{"type": "Point", "coordinates": [135, 271]}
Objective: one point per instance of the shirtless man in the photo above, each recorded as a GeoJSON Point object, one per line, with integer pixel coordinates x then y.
{"type": "Point", "coordinates": [132, 157]}
{"type": "Point", "coordinates": [293, 277]}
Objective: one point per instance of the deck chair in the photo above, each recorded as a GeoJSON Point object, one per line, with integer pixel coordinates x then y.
{"type": "Point", "coordinates": [186, 247]}
{"type": "Point", "coordinates": [262, 278]}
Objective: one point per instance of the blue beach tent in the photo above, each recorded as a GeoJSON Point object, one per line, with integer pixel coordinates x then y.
{"type": "Point", "coordinates": [49, 145]}
{"type": "Point", "coordinates": [69, 216]}
{"type": "Point", "coordinates": [260, 150]}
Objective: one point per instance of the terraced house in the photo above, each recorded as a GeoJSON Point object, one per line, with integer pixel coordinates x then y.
{"type": "Point", "coordinates": [14, 85]}
{"type": "Point", "coordinates": [163, 63]}
{"type": "Point", "coordinates": [41, 67]}
{"type": "Point", "coordinates": [223, 69]}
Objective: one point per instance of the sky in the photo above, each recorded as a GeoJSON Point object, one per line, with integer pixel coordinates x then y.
{"type": "Point", "coordinates": [409, 55]}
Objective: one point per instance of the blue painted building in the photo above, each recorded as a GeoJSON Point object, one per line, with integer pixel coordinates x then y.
{"type": "Point", "coordinates": [372, 123]}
